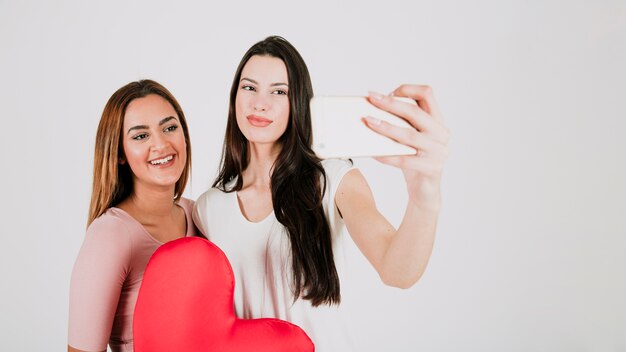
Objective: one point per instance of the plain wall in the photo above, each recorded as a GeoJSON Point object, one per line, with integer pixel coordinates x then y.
{"type": "Point", "coordinates": [531, 247]}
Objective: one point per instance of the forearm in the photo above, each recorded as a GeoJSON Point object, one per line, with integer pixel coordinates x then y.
{"type": "Point", "coordinates": [408, 250]}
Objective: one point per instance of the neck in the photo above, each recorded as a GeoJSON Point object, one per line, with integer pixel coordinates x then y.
{"type": "Point", "coordinates": [260, 167]}
{"type": "Point", "coordinates": [151, 202]}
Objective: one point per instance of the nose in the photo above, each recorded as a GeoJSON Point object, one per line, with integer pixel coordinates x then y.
{"type": "Point", "coordinates": [261, 103]}
{"type": "Point", "coordinates": [159, 141]}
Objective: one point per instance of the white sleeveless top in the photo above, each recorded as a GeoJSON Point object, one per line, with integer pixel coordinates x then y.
{"type": "Point", "coordinates": [259, 253]}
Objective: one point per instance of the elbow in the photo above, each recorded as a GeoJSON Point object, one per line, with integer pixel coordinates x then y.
{"type": "Point", "coordinates": [401, 281]}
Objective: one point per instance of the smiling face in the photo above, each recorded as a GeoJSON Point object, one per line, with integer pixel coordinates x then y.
{"type": "Point", "coordinates": [154, 142]}
{"type": "Point", "coordinates": [262, 102]}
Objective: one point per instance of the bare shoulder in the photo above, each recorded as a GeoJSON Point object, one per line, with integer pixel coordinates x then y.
{"type": "Point", "coordinates": [353, 190]}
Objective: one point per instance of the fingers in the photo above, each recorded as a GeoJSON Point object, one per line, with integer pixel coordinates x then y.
{"type": "Point", "coordinates": [413, 114]}
{"type": "Point", "coordinates": [429, 137]}
{"type": "Point", "coordinates": [421, 122]}
{"type": "Point", "coordinates": [424, 97]}
{"type": "Point", "coordinates": [429, 154]}
{"type": "Point", "coordinates": [410, 112]}
{"type": "Point", "coordinates": [407, 136]}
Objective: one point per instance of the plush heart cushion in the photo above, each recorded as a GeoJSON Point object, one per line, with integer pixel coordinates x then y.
{"type": "Point", "coordinates": [185, 303]}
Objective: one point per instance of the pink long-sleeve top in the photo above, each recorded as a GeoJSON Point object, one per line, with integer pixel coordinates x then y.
{"type": "Point", "coordinates": [106, 280]}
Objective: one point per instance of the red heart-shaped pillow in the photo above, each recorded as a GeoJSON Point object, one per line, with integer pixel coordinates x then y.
{"type": "Point", "coordinates": [185, 303]}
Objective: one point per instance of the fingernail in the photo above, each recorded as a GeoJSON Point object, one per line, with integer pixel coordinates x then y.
{"type": "Point", "coordinates": [376, 96]}
{"type": "Point", "coordinates": [372, 121]}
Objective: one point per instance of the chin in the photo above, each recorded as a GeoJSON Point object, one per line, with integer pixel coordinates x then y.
{"type": "Point", "coordinates": [167, 181]}
{"type": "Point", "coordinates": [263, 139]}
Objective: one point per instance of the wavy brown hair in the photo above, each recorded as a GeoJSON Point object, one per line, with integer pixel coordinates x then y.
{"type": "Point", "coordinates": [298, 178]}
{"type": "Point", "coordinates": [112, 181]}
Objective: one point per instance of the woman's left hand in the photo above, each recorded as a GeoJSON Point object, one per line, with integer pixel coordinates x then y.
{"type": "Point", "coordinates": [429, 137]}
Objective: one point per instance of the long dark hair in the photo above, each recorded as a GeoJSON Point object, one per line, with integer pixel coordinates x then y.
{"type": "Point", "coordinates": [298, 179]}
{"type": "Point", "coordinates": [113, 182]}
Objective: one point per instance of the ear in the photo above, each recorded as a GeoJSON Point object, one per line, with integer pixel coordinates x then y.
{"type": "Point", "coordinates": [121, 160]}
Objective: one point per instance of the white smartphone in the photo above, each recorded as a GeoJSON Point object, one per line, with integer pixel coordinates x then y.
{"type": "Point", "coordinates": [340, 132]}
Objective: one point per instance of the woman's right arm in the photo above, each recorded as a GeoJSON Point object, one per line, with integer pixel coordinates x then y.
{"type": "Point", "coordinates": [400, 256]}
{"type": "Point", "coordinates": [97, 280]}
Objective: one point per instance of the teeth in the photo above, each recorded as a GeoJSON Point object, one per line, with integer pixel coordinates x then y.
{"type": "Point", "coordinates": [162, 161]}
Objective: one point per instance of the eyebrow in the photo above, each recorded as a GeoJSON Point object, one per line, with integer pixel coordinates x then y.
{"type": "Point", "coordinates": [255, 82]}
{"type": "Point", "coordinates": [145, 127]}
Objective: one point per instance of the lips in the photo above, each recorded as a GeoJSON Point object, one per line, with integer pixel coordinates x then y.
{"type": "Point", "coordinates": [258, 121]}
{"type": "Point", "coordinates": [162, 161]}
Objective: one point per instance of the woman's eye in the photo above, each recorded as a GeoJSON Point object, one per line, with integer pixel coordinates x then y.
{"type": "Point", "coordinates": [171, 128]}
{"type": "Point", "coordinates": [140, 136]}
{"type": "Point", "coordinates": [280, 92]}
{"type": "Point", "coordinates": [247, 88]}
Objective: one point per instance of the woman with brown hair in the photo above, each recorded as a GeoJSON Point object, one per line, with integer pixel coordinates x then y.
{"type": "Point", "coordinates": [279, 212]}
{"type": "Point", "coordinates": [141, 165]}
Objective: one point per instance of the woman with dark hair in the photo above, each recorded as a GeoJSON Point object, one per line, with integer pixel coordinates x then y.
{"type": "Point", "coordinates": [279, 212]}
{"type": "Point", "coordinates": [141, 165]}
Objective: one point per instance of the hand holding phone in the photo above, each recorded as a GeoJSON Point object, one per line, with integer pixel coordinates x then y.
{"type": "Point", "coordinates": [340, 132]}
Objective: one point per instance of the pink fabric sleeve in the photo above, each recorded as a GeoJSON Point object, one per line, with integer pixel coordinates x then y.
{"type": "Point", "coordinates": [97, 280]}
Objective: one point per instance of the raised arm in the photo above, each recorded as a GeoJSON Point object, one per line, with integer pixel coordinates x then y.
{"type": "Point", "coordinates": [400, 256]}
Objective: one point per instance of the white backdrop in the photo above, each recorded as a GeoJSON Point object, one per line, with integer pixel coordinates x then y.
{"type": "Point", "coordinates": [531, 249]}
